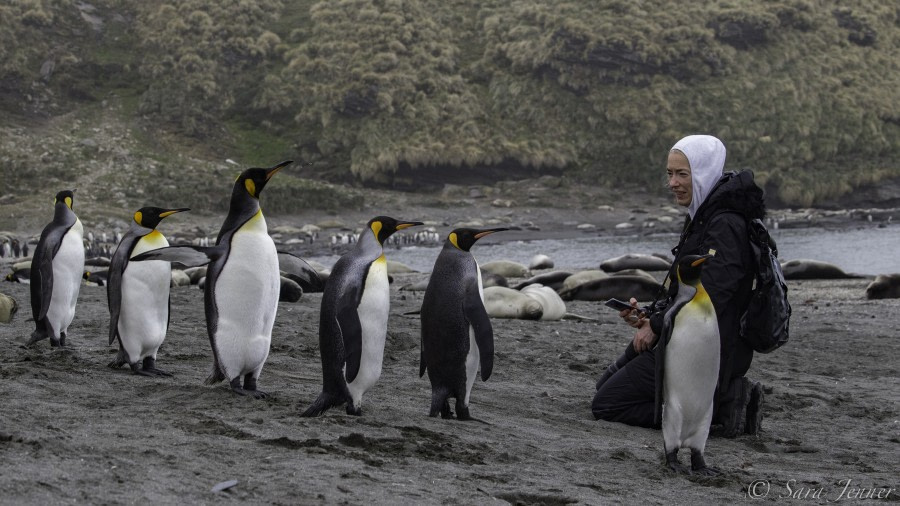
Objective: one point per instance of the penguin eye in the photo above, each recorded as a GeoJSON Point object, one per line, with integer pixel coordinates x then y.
{"type": "Point", "coordinates": [251, 187]}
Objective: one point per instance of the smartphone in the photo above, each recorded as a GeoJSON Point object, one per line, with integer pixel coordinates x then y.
{"type": "Point", "coordinates": [619, 305]}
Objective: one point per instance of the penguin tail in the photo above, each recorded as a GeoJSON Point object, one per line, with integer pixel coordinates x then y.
{"type": "Point", "coordinates": [323, 403]}
{"type": "Point", "coordinates": [215, 376]}
{"type": "Point", "coordinates": [120, 360]}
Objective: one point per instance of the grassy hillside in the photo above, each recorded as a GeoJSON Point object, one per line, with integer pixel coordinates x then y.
{"type": "Point", "coordinates": [405, 92]}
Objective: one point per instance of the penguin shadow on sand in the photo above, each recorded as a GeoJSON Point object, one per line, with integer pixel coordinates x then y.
{"type": "Point", "coordinates": [353, 319]}
{"type": "Point", "coordinates": [242, 284]}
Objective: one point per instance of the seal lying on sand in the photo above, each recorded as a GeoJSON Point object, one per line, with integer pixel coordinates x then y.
{"type": "Point", "coordinates": [502, 302]}
{"type": "Point", "coordinates": [813, 269]}
{"type": "Point", "coordinates": [619, 287]}
{"type": "Point", "coordinates": [636, 261]}
{"type": "Point", "coordinates": [885, 286]}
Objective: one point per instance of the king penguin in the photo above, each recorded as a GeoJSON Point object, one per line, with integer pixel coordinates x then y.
{"type": "Point", "coordinates": [138, 294]}
{"type": "Point", "coordinates": [56, 271]}
{"type": "Point", "coordinates": [353, 319]}
{"type": "Point", "coordinates": [457, 336]}
{"type": "Point", "coordinates": [242, 285]}
{"type": "Point", "coordinates": [688, 366]}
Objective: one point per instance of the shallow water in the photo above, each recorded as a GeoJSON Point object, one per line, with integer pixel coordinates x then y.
{"type": "Point", "coordinates": [862, 251]}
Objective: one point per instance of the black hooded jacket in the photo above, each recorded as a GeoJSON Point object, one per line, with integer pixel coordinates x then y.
{"type": "Point", "coordinates": [720, 224]}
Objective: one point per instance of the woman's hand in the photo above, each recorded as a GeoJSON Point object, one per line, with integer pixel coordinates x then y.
{"type": "Point", "coordinates": [644, 338]}
{"type": "Point", "coordinates": [632, 316]}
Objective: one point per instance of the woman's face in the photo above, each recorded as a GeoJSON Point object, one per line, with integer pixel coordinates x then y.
{"type": "Point", "coordinates": [678, 172]}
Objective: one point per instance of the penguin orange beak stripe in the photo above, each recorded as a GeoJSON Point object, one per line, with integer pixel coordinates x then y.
{"type": "Point", "coordinates": [173, 211]}
{"type": "Point", "coordinates": [479, 235]}
{"type": "Point", "coordinates": [408, 224]}
{"type": "Point", "coordinates": [274, 170]}
{"type": "Point", "coordinates": [700, 260]}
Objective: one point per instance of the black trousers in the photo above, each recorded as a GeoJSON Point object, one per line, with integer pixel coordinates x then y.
{"type": "Point", "coordinates": [629, 396]}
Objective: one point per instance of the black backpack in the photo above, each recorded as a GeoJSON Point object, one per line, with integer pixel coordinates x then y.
{"type": "Point", "coordinates": [764, 326]}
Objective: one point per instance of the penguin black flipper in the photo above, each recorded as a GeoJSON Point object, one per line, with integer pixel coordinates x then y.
{"type": "Point", "coordinates": [351, 332]}
{"type": "Point", "coordinates": [189, 256]}
{"type": "Point", "coordinates": [478, 318]}
{"type": "Point", "coordinates": [668, 325]}
{"type": "Point", "coordinates": [114, 282]}
{"type": "Point", "coordinates": [42, 263]}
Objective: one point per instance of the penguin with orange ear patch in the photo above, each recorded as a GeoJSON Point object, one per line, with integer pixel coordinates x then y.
{"type": "Point", "coordinates": [138, 294]}
{"type": "Point", "coordinates": [457, 337]}
{"type": "Point", "coordinates": [353, 319]}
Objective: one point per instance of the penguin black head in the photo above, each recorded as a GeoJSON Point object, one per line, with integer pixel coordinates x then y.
{"type": "Point", "coordinates": [252, 181]}
{"type": "Point", "coordinates": [149, 217]}
{"type": "Point", "coordinates": [66, 197]}
{"type": "Point", "coordinates": [464, 238]}
{"type": "Point", "coordinates": [385, 226]}
{"type": "Point", "coordinates": [690, 267]}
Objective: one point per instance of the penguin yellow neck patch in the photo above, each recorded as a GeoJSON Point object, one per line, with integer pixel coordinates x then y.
{"type": "Point", "coordinates": [250, 186]}
{"type": "Point", "coordinates": [376, 228]}
{"type": "Point", "coordinates": [454, 240]}
{"type": "Point", "coordinates": [69, 202]}
{"type": "Point", "coordinates": [138, 216]}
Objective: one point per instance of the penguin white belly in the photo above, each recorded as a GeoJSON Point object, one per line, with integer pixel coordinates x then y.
{"type": "Point", "coordinates": [373, 315]}
{"type": "Point", "coordinates": [68, 267]}
{"type": "Point", "coordinates": [691, 373]}
{"type": "Point", "coordinates": [247, 299]}
{"type": "Point", "coordinates": [473, 359]}
{"type": "Point", "coordinates": [144, 313]}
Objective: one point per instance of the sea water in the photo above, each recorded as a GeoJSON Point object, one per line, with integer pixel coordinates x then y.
{"type": "Point", "coordinates": [869, 251]}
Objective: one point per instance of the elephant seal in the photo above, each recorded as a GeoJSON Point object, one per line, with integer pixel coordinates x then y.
{"type": "Point", "coordinates": [634, 272]}
{"type": "Point", "coordinates": [540, 262]}
{"type": "Point", "coordinates": [885, 286]}
{"type": "Point", "coordinates": [505, 268]}
{"type": "Point", "coordinates": [813, 269]}
{"type": "Point", "coordinates": [619, 287]}
{"type": "Point", "coordinates": [581, 277]}
{"type": "Point", "coordinates": [552, 304]}
{"type": "Point", "coordinates": [8, 308]}
{"type": "Point", "coordinates": [416, 286]}
{"type": "Point", "coordinates": [490, 279]}
{"type": "Point", "coordinates": [179, 278]}
{"type": "Point", "coordinates": [636, 261]}
{"type": "Point", "coordinates": [503, 302]}
{"type": "Point", "coordinates": [290, 290]}
{"type": "Point", "coordinates": [553, 280]}
{"type": "Point", "coordinates": [395, 267]}
{"type": "Point", "coordinates": [196, 273]}
{"type": "Point", "coordinates": [301, 272]}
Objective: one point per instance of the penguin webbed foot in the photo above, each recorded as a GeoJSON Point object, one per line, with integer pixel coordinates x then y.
{"type": "Point", "coordinates": [249, 388]}
{"type": "Point", "coordinates": [673, 465]}
{"type": "Point", "coordinates": [352, 410]}
{"type": "Point", "coordinates": [699, 467]}
{"type": "Point", "coordinates": [150, 367]}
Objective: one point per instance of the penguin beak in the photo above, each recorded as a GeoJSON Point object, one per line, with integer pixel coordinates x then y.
{"type": "Point", "coordinates": [274, 170]}
{"type": "Point", "coordinates": [407, 224]}
{"type": "Point", "coordinates": [483, 233]}
{"type": "Point", "coordinates": [700, 260]}
{"type": "Point", "coordinates": [173, 211]}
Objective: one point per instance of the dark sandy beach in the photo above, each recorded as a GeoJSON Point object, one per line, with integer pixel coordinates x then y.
{"type": "Point", "coordinates": [74, 431]}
